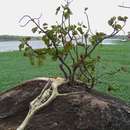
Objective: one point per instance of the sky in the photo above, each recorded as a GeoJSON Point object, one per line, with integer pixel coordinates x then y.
{"type": "Point", "coordinates": [99, 12]}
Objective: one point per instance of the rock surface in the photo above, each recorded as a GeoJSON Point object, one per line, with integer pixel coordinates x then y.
{"type": "Point", "coordinates": [90, 110]}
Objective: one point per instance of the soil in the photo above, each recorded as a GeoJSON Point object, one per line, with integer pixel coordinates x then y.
{"type": "Point", "coordinates": [88, 110]}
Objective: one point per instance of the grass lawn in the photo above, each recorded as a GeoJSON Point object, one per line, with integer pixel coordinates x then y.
{"type": "Point", "coordinates": [114, 57]}
{"type": "Point", "coordinates": [14, 69]}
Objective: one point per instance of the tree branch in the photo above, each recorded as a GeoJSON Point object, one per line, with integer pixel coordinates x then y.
{"type": "Point", "coordinates": [122, 6]}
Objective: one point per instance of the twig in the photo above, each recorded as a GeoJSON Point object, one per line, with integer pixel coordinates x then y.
{"type": "Point", "coordinates": [122, 6]}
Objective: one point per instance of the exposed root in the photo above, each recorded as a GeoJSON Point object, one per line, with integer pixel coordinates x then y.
{"type": "Point", "coordinates": [47, 95]}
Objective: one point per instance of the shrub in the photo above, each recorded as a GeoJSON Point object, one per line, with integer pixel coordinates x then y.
{"type": "Point", "coordinates": [64, 41]}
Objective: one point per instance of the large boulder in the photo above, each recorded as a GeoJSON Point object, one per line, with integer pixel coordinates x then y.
{"type": "Point", "coordinates": [90, 110]}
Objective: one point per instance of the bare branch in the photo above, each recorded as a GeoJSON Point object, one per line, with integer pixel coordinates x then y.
{"type": "Point", "coordinates": [83, 72]}
{"type": "Point", "coordinates": [89, 27]}
{"type": "Point", "coordinates": [105, 37]}
{"type": "Point", "coordinates": [32, 20]}
{"type": "Point", "coordinates": [68, 2]}
{"type": "Point", "coordinates": [60, 59]}
{"type": "Point", "coordinates": [63, 70]}
{"type": "Point", "coordinates": [122, 6]}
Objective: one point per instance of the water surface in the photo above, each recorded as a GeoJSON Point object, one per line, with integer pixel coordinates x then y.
{"type": "Point", "coordinates": [14, 45]}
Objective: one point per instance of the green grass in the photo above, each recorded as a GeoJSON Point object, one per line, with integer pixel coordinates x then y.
{"type": "Point", "coordinates": [114, 57]}
{"type": "Point", "coordinates": [14, 69]}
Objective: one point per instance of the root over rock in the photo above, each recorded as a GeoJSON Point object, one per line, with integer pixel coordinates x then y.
{"type": "Point", "coordinates": [90, 110]}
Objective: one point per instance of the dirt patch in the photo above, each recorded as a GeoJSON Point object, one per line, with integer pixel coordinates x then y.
{"type": "Point", "coordinates": [90, 110]}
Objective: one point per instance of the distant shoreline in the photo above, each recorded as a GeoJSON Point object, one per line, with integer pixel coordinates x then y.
{"type": "Point", "coordinates": [15, 38]}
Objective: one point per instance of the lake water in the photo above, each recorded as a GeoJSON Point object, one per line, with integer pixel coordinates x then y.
{"type": "Point", "coordinates": [14, 45]}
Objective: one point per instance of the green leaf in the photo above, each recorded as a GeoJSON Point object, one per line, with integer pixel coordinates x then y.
{"type": "Point", "coordinates": [39, 61]}
{"type": "Point", "coordinates": [125, 18]}
{"type": "Point", "coordinates": [66, 15]}
{"type": "Point", "coordinates": [74, 32]}
{"type": "Point", "coordinates": [28, 52]}
{"type": "Point", "coordinates": [67, 12]}
{"type": "Point", "coordinates": [80, 30]}
{"type": "Point", "coordinates": [120, 18]}
{"type": "Point", "coordinates": [68, 46]}
{"type": "Point", "coordinates": [92, 39]}
{"type": "Point", "coordinates": [86, 9]}
{"type": "Point", "coordinates": [50, 34]}
{"type": "Point", "coordinates": [45, 24]}
{"type": "Point", "coordinates": [117, 27]}
{"type": "Point", "coordinates": [84, 26]}
{"type": "Point", "coordinates": [32, 60]}
{"type": "Point", "coordinates": [111, 21]}
{"type": "Point", "coordinates": [54, 56]}
{"type": "Point", "coordinates": [57, 10]}
{"type": "Point", "coordinates": [45, 40]}
{"type": "Point", "coordinates": [21, 46]}
{"type": "Point", "coordinates": [34, 29]}
{"type": "Point", "coordinates": [50, 51]}
{"type": "Point", "coordinates": [40, 58]}
{"type": "Point", "coordinates": [45, 28]}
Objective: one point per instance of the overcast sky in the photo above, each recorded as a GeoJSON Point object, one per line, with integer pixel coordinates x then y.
{"type": "Point", "coordinates": [99, 12]}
